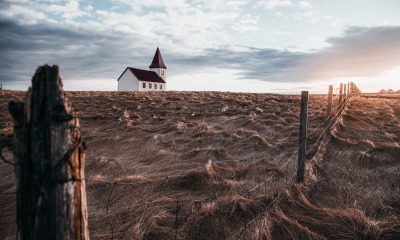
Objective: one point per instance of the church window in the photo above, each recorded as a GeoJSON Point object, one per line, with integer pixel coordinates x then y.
{"type": "Point", "coordinates": [155, 85]}
{"type": "Point", "coordinates": [144, 85]}
{"type": "Point", "coordinates": [162, 71]}
{"type": "Point", "coordinates": [150, 85]}
{"type": "Point", "coordinates": [160, 86]}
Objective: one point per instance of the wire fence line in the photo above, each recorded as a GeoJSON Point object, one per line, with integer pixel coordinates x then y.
{"type": "Point", "coordinates": [339, 109]}
{"type": "Point", "coordinates": [334, 120]}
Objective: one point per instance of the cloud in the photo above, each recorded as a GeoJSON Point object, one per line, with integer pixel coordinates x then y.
{"type": "Point", "coordinates": [271, 4]}
{"type": "Point", "coordinates": [305, 4]}
{"type": "Point", "coordinates": [246, 23]}
{"type": "Point", "coordinates": [192, 38]}
{"type": "Point", "coordinates": [312, 16]}
{"type": "Point", "coordinates": [69, 10]}
{"type": "Point", "coordinates": [82, 53]}
{"type": "Point", "coordinates": [250, 63]}
{"type": "Point", "coordinates": [85, 54]}
{"type": "Point", "coordinates": [360, 52]}
{"type": "Point", "coordinates": [32, 12]}
{"type": "Point", "coordinates": [23, 14]}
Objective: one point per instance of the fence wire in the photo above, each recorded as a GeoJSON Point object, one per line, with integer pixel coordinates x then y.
{"type": "Point", "coordinates": [291, 160]}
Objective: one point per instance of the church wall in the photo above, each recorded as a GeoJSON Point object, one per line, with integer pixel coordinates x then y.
{"type": "Point", "coordinates": [160, 72]}
{"type": "Point", "coordinates": [128, 82]}
{"type": "Point", "coordinates": [147, 88]}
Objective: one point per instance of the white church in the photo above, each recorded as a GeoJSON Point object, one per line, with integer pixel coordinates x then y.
{"type": "Point", "coordinates": [133, 79]}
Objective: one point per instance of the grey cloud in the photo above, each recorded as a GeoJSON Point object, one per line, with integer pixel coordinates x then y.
{"type": "Point", "coordinates": [360, 52]}
{"type": "Point", "coordinates": [259, 64]}
{"type": "Point", "coordinates": [87, 54]}
{"type": "Point", "coordinates": [82, 54]}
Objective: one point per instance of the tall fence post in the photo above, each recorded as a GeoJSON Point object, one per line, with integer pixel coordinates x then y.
{"type": "Point", "coordinates": [344, 94]}
{"type": "Point", "coordinates": [302, 137]}
{"type": "Point", "coordinates": [49, 152]}
{"type": "Point", "coordinates": [330, 99]}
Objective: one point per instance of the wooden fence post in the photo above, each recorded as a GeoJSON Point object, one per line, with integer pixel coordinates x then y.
{"type": "Point", "coordinates": [344, 94]}
{"type": "Point", "coordinates": [340, 96]}
{"type": "Point", "coordinates": [348, 88]}
{"type": "Point", "coordinates": [330, 98]}
{"type": "Point", "coordinates": [49, 152]}
{"type": "Point", "coordinates": [302, 137]}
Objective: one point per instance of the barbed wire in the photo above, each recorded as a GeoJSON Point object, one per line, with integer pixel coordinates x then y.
{"type": "Point", "coordinates": [318, 111]}
{"type": "Point", "coordinates": [316, 128]}
{"type": "Point", "coordinates": [324, 134]}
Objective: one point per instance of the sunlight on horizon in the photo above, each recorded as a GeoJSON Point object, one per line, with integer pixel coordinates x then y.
{"type": "Point", "coordinates": [224, 81]}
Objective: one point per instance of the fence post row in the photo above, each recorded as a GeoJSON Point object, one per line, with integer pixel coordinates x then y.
{"type": "Point", "coordinates": [302, 137]}
{"type": "Point", "coordinates": [346, 90]}
{"type": "Point", "coordinates": [49, 153]}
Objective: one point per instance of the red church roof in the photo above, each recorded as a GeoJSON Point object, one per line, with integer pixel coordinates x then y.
{"type": "Point", "coordinates": [144, 75]}
{"type": "Point", "coordinates": [158, 62]}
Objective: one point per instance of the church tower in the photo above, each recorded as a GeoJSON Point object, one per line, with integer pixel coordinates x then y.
{"type": "Point", "coordinates": [158, 66]}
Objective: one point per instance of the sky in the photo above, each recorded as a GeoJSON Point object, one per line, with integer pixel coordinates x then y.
{"type": "Point", "coordinates": [278, 46]}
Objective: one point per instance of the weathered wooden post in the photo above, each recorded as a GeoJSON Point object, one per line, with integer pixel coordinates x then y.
{"type": "Point", "coordinates": [344, 95]}
{"type": "Point", "coordinates": [348, 88]}
{"type": "Point", "coordinates": [330, 97]}
{"type": "Point", "coordinates": [340, 96]}
{"type": "Point", "coordinates": [302, 137]}
{"type": "Point", "coordinates": [50, 154]}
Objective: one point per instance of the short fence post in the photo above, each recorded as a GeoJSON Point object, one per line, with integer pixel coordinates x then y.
{"type": "Point", "coordinates": [330, 97]}
{"type": "Point", "coordinates": [348, 88]}
{"type": "Point", "coordinates": [340, 96]}
{"type": "Point", "coordinates": [302, 137]}
{"type": "Point", "coordinates": [51, 194]}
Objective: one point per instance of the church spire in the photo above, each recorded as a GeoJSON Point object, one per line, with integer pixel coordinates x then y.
{"type": "Point", "coordinates": [158, 61]}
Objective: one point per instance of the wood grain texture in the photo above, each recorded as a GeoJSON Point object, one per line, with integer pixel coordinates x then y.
{"type": "Point", "coordinates": [51, 201]}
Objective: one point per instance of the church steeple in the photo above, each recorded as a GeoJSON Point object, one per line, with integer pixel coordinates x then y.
{"type": "Point", "coordinates": [158, 66]}
{"type": "Point", "coordinates": [158, 61]}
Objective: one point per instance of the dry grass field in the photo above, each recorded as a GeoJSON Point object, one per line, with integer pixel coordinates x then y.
{"type": "Point", "coordinates": [217, 165]}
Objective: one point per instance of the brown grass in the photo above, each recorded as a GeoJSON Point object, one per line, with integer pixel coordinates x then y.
{"type": "Point", "coordinates": [212, 165]}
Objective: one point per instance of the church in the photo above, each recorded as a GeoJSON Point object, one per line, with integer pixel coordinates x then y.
{"type": "Point", "coordinates": [133, 79]}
